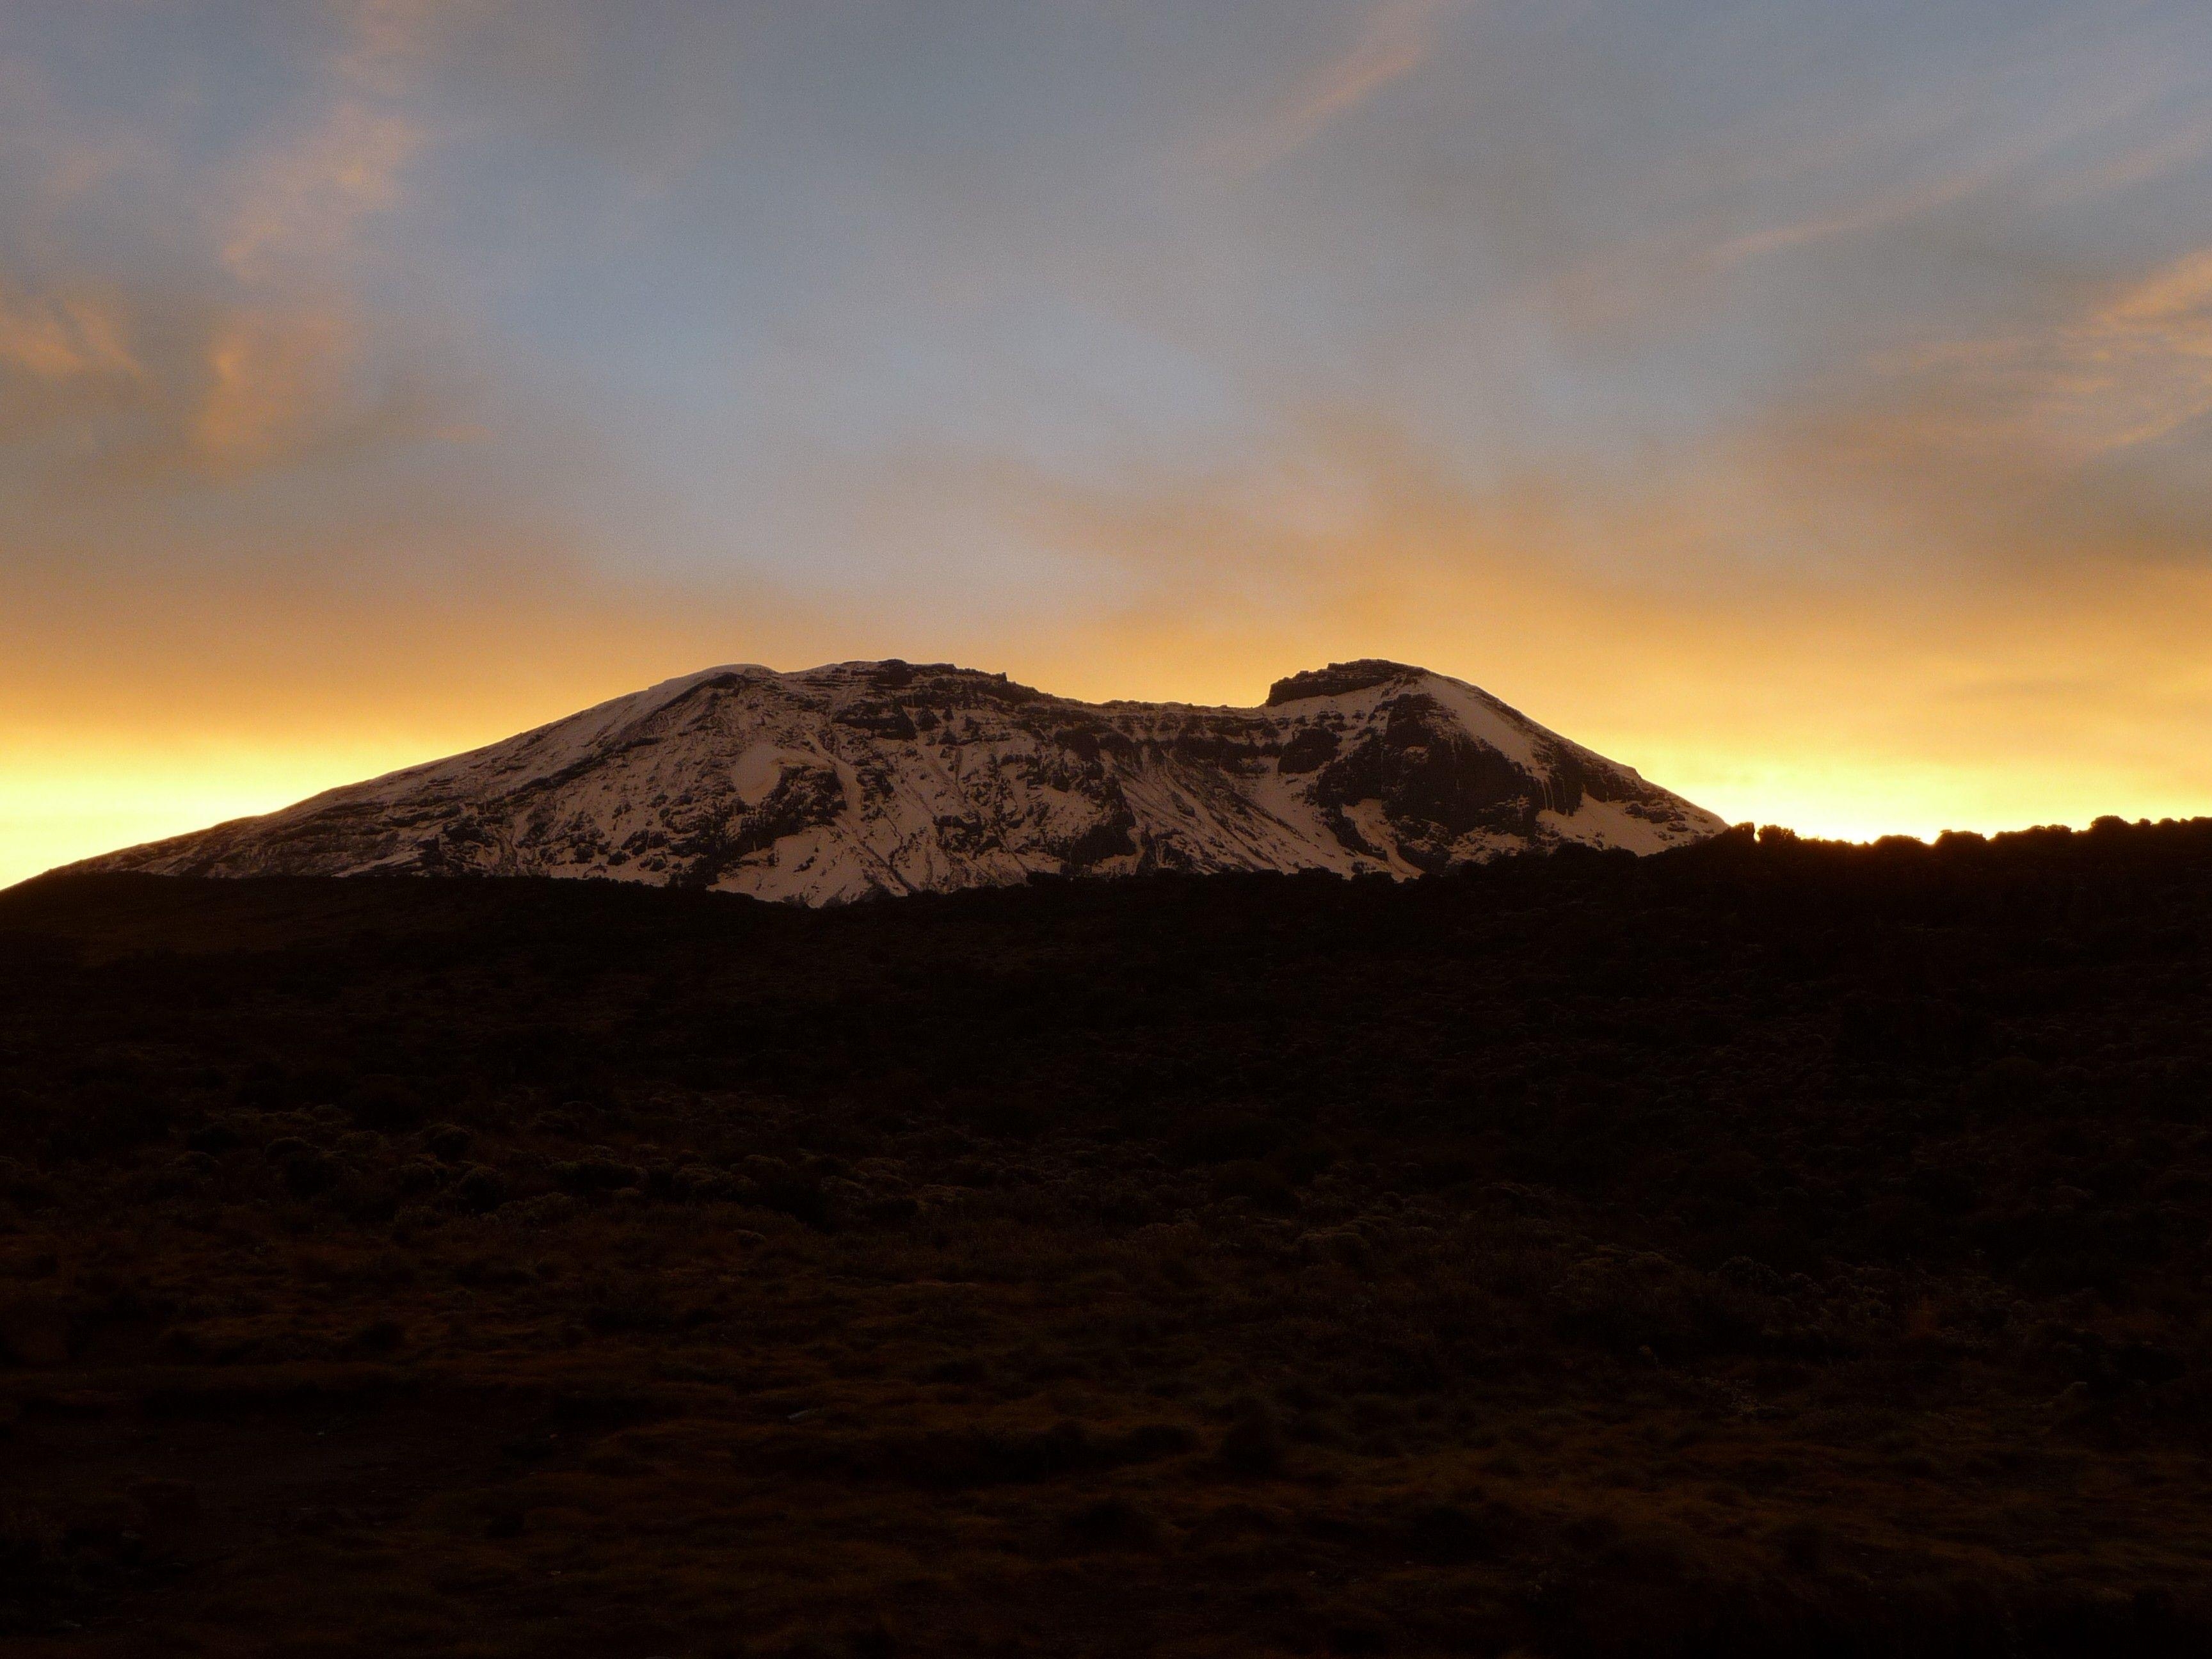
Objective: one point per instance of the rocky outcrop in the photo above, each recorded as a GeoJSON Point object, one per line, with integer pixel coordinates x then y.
{"type": "Point", "coordinates": [891, 777]}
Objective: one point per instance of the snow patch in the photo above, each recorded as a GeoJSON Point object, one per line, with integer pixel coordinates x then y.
{"type": "Point", "coordinates": [945, 779]}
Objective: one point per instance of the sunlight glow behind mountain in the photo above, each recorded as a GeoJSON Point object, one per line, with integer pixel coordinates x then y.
{"type": "Point", "coordinates": [1808, 404]}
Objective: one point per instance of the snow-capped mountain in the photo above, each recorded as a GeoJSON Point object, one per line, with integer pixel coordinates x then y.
{"type": "Point", "coordinates": [866, 778]}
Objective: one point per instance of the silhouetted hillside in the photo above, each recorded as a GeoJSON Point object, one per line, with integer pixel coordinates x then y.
{"type": "Point", "coordinates": [1769, 1246]}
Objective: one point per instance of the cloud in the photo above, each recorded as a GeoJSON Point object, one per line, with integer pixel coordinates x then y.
{"type": "Point", "coordinates": [2040, 442]}
{"type": "Point", "coordinates": [235, 339]}
{"type": "Point", "coordinates": [1974, 161]}
{"type": "Point", "coordinates": [389, 41]}
{"type": "Point", "coordinates": [2172, 148]}
{"type": "Point", "coordinates": [305, 198]}
{"type": "Point", "coordinates": [1396, 37]}
{"type": "Point", "coordinates": [306, 202]}
{"type": "Point", "coordinates": [276, 383]}
{"type": "Point", "coordinates": [2140, 367]}
{"type": "Point", "coordinates": [63, 337]}
{"type": "Point", "coordinates": [164, 391]}
{"type": "Point", "coordinates": [1875, 214]}
{"type": "Point", "coordinates": [1905, 681]}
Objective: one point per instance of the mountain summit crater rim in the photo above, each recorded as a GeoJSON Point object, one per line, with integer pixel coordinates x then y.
{"type": "Point", "coordinates": [864, 779]}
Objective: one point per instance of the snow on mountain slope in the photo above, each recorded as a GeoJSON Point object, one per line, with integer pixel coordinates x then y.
{"type": "Point", "coordinates": [863, 778]}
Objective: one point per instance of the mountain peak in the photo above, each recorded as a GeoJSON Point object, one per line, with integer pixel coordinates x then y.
{"type": "Point", "coordinates": [1340, 679]}
{"type": "Point", "coordinates": [857, 779]}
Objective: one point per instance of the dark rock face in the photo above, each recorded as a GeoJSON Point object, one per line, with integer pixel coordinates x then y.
{"type": "Point", "coordinates": [1430, 774]}
{"type": "Point", "coordinates": [1311, 749]}
{"type": "Point", "coordinates": [1338, 679]}
{"type": "Point", "coordinates": [893, 777]}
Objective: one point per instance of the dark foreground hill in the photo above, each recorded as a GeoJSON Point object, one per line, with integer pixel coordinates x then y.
{"type": "Point", "coordinates": [1762, 1248]}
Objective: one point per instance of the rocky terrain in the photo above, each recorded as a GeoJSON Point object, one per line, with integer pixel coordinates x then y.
{"type": "Point", "coordinates": [872, 778]}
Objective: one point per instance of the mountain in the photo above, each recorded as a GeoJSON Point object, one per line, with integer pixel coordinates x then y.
{"type": "Point", "coordinates": [867, 778]}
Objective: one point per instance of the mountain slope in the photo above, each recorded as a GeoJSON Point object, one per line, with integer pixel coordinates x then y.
{"type": "Point", "coordinates": [861, 778]}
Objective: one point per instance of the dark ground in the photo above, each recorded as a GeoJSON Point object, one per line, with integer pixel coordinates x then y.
{"type": "Point", "coordinates": [1768, 1248]}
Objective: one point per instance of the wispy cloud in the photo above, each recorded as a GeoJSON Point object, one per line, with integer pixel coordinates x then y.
{"type": "Point", "coordinates": [306, 196]}
{"type": "Point", "coordinates": [1396, 37]}
{"type": "Point", "coordinates": [2058, 120]}
{"type": "Point", "coordinates": [246, 345]}
{"type": "Point", "coordinates": [63, 337]}
{"type": "Point", "coordinates": [2118, 374]}
{"type": "Point", "coordinates": [2140, 367]}
{"type": "Point", "coordinates": [1875, 213]}
{"type": "Point", "coordinates": [307, 201]}
{"type": "Point", "coordinates": [278, 385]}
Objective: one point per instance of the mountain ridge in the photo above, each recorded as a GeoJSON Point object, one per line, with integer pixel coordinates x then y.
{"type": "Point", "coordinates": [864, 778]}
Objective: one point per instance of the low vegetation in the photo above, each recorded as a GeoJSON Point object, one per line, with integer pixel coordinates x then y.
{"type": "Point", "coordinates": [1770, 1247]}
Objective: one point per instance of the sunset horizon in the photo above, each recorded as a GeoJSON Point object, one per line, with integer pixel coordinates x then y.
{"type": "Point", "coordinates": [1811, 410]}
{"type": "Point", "coordinates": [195, 784]}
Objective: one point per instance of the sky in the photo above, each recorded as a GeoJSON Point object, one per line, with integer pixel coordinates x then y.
{"type": "Point", "coordinates": [1807, 402]}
